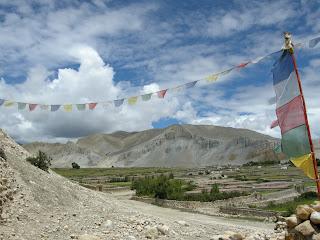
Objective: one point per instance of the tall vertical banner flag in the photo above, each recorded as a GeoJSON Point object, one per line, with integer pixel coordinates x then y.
{"type": "Point", "coordinates": [291, 113]}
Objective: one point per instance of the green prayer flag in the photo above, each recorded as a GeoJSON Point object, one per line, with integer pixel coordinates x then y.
{"type": "Point", "coordinates": [295, 142]}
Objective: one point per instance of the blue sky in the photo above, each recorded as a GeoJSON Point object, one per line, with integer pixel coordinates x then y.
{"type": "Point", "coordinates": [73, 51]}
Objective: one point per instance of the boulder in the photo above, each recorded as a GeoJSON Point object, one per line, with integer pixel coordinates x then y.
{"type": "Point", "coordinates": [303, 212]}
{"type": "Point", "coordinates": [315, 217]}
{"type": "Point", "coordinates": [305, 228]}
{"type": "Point", "coordinates": [292, 221]}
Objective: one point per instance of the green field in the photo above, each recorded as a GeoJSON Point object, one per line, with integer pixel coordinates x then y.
{"type": "Point", "coordinates": [100, 172]}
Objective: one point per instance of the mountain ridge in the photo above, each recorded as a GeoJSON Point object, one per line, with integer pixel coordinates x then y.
{"type": "Point", "coordinates": [175, 146]}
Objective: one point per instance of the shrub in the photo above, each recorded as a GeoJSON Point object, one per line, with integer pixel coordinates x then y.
{"type": "Point", "coordinates": [3, 154]}
{"type": "Point", "coordinates": [75, 165]}
{"type": "Point", "coordinates": [41, 161]}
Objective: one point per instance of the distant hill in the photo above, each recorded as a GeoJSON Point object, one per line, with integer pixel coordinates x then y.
{"type": "Point", "coordinates": [174, 146]}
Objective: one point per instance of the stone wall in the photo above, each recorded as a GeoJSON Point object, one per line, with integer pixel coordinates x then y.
{"type": "Point", "coordinates": [248, 212]}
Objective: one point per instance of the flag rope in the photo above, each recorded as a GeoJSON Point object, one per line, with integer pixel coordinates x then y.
{"type": "Point", "coordinates": [132, 100]}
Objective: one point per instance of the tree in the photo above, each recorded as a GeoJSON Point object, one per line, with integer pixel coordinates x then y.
{"type": "Point", "coordinates": [75, 165]}
{"type": "Point", "coordinates": [41, 161]}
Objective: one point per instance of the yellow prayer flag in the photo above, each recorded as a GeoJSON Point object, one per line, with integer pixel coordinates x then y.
{"type": "Point", "coordinates": [8, 103]}
{"type": "Point", "coordinates": [212, 78]}
{"type": "Point", "coordinates": [305, 163]}
{"type": "Point", "coordinates": [132, 100]}
{"type": "Point", "coordinates": [67, 107]}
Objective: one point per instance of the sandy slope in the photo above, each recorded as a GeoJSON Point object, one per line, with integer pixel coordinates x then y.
{"type": "Point", "coordinates": [48, 206]}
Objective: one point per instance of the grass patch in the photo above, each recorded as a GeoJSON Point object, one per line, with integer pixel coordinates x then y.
{"type": "Point", "coordinates": [288, 208]}
{"type": "Point", "coordinates": [98, 172]}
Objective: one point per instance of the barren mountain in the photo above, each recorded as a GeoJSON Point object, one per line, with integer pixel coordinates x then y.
{"type": "Point", "coordinates": [38, 205]}
{"type": "Point", "coordinates": [174, 146]}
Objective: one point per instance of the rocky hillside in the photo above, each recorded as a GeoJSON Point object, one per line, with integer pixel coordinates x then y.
{"type": "Point", "coordinates": [175, 146]}
{"type": "Point", "coordinates": [40, 205]}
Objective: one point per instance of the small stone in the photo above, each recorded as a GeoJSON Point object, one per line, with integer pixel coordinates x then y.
{"type": "Point", "coordinates": [315, 217]}
{"type": "Point", "coordinates": [163, 229]}
{"type": "Point", "coordinates": [73, 236]}
{"type": "Point", "coordinates": [305, 228]}
{"type": "Point", "coordinates": [151, 233]}
{"type": "Point", "coordinates": [292, 221]}
{"type": "Point", "coordinates": [304, 212]}
{"type": "Point", "coordinates": [183, 223]}
{"type": "Point", "coordinates": [108, 224]}
{"type": "Point", "coordinates": [88, 237]}
{"type": "Point", "coordinates": [316, 236]}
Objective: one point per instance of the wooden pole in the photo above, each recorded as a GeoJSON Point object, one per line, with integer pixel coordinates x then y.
{"type": "Point", "coordinates": [289, 47]}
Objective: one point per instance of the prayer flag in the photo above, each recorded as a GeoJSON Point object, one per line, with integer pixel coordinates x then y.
{"type": "Point", "coordinates": [92, 105]}
{"type": "Point", "coordinates": [290, 114]}
{"type": "Point", "coordinates": [242, 65]}
{"type": "Point", "coordinates": [32, 106]}
{"type": "Point", "coordinates": [146, 97]}
{"type": "Point", "coordinates": [81, 107]}
{"type": "Point", "coordinates": [8, 103]}
{"type": "Point", "coordinates": [67, 107]}
{"type": "Point", "coordinates": [55, 108]}
{"type": "Point", "coordinates": [314, 42]}
{"type": "Point", "coordinates": [44, 107]}
{"type": "Point", "coordinates": [190, 84]}
{"type": "Point", "coordinates": [21, 106]}
{"type": "Point", "coordinates": [212, 78]}
{"type": "Point", "coordinates": [132, 100]}
{"type": "Point", "coordinates": [118, 102]}
{"type": "Point", "coordinates": [274, 124]}
{"type": "Point", "coordinates": [278, 149]}
{"type": "Point", "coordinates": [2, 101]}
{"type": "Point", "coordinates": [306, 164]}
{"type": "Point", "coordinates": [162, 93]}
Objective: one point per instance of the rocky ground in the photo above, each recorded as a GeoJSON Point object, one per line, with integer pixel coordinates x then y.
{"type": "Point", "coordinates": [40, 205]}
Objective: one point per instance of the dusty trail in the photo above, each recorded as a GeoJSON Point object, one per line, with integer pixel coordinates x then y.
{"type": "Point", "coordinates": [221, 223]}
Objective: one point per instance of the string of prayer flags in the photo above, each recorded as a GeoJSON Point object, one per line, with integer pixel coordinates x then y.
{"type": "Point", "coordinates": [291, 91]}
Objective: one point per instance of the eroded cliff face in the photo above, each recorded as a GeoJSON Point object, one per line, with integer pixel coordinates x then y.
{"type": "Point", "coordinates": [175, 146]}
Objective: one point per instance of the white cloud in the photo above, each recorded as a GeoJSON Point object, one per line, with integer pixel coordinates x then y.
{"type": "Point", "coordinates": [93, 81]}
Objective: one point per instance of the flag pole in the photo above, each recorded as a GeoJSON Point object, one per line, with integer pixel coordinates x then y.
{"type": "Point", "coordinates": [289, 46]}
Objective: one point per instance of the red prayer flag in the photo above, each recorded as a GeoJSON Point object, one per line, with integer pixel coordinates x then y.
{"type": "Point", "coordinates": [242, 65]}
{"type": "Point", "coordinates": [32, 106]}
{"type": "Point", "coordinates": [162, 93]}
{"type": "Point", "coordinates": [291, 115]}
{"type": "Point", "coordinates": [274, 124]}
{"type": "Point", "coordinates": [92, 105]}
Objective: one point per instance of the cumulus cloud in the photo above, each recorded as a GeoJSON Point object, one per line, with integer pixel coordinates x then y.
{"type": "Point", "coordinates": [57, 53]}
{"type": "Point", "coordinates": [92, 81]}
